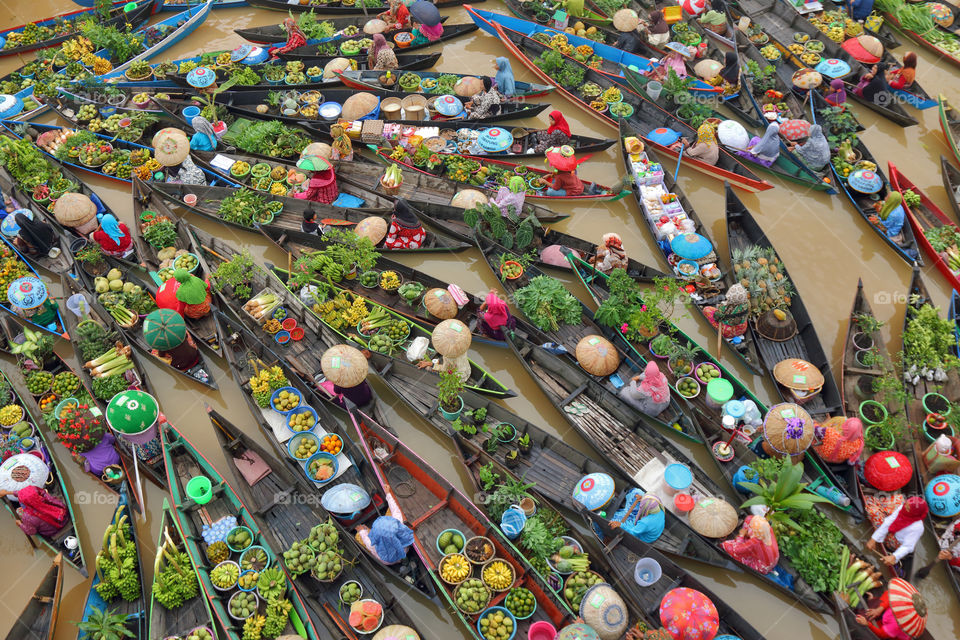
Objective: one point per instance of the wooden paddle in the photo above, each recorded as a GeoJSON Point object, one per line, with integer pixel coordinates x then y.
{"type": "Point", "coordinates": [923, 572]}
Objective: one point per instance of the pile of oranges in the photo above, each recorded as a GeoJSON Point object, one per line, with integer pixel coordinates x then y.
{"type": "Point", "coordinates": [331, 443]}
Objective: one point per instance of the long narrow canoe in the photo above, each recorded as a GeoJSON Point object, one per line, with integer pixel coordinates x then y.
{"type": "Point", "coordinates": [951, 183]}
{"type": "Point", "coordinates": [647, 116]}
{"type": "Point", "coordinates": [8, 251]}
{"type": "Point", "coordinates": [299, 369]}
{"type": "Point", "coordinates": [556, 466]}
{"type": "Point", "coordinates": [672, 418]}
{"type": "Point", "coordinates": [524, 10]}
{"type": "Point", "coordinates": [64, 26]}
{"type": "Point", "coordinates": [779, 21]}
{"type": "Point", "coordinates": [277, 32]}
{"type": "Point", "coordinates": [885, 34]}
{"type": "Point", "coordinates": [58, 487]}
{"type": "Point", "coordinates": [925, 217]}
{"type": "Point", "coordinates": [194, 612]}
{"type": "Point", "coordinates": [147, 202]}
{"type": "Point", "coordinates": [135, 610]}
{"type": "Point", "coordinates": [38, 620]}
{"type": "Point", "coordinates": [950, 125]}
{"type": "Point", "coordinates": [289, 219]}
{"type": "Point", "coordinates": [623, 551]}
{"type": "Point", "coordinates": [450, 32]}
{"type": "Point", "coordinates": [337, 7]}
{"type": "Point", "coordinates": [926, 40]}
{"type": "Point", "coordinates": [185, 462]}
{"type": "Point", "coordinates": [290, 520]}
{"type": "Point", "coordinates": [917, 297]}
{"type": "Point", "coordinates": [743, 232]}
{"type": "Point", "coordinates": [906, 244]}
{"type": "Point", "coordinates": [431, 504]}
{"type": "Point", "coordinates": [709, 293]}
{"type": "Point", "coordinates": [367, 80]}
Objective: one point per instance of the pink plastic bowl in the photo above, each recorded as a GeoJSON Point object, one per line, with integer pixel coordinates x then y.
{"type": "Point", "coordinates": [541, 630]}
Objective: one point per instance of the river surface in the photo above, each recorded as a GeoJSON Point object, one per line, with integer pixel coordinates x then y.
{"type": "Point", "coordinates": [824, 243]}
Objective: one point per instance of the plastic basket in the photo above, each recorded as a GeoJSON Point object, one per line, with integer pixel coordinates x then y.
{"type": "Point", "coordinates": [512, 521]}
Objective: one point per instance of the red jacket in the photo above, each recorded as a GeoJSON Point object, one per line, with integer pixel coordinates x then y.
{"type": "Point", "coordinates": [111, 247]}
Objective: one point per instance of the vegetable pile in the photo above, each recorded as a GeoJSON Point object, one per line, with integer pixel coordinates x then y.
{"type": "Point", "coordinates": [117, 562]}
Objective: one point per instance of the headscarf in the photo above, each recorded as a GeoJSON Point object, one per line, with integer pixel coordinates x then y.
{"type": "Point", "coordinates": [390, 538]}
{"type": "Point", "coordinates": [341, 142]}
{"type": "Point", "coordinates": [404, 215]}
{"type": "Point", "coordinates": [731, 68]}
{"type": "Point", "coordinates": [505, 81]}
{"type": "Point", "coordinates": [517, 185]}
{"type": "Point", "coordinates": [769, 145]}
{"type": "Point", "coordinates": [110, 226]}
{"type": "Point", "coordinates": [487, 83]}
{"type": "Point", "coordinates": [839, 95]}
{"type": "Point", "coordinates": [431, 33]}
{"type": "Point", "coordinates": [654, 383]}
{"type": "Point", "coordinates": [852, 431]}
{"type": "Point", "coordinates": [291, 26]}
{"type": "Point", "coordinates": [42, 505]}
{"type": "Point", "coordinates": [559, 123]}
{"type": "Point", "coordinates": [913, 510]}
{"type": "Point", "coordinates": [707, 135]}
{"type": "Point", "coordinates": [37, 234]}
{"type": "Point", "coordinates": [379, 43]}
{"type": "Point", "coordinates": [816, 150]}
{"type": "Point", "coordinates": [612, 241]}
{"type": "Point", "coordinates": [401, 13]}
{"type": "Point", "coordinates": [657, 24]}
{"type": "Point", "coordinates": [497, 313]}
{"type": "Point", "coordinates": [893, 200]}
{"type": "Point", "coordinates": [203, 126]}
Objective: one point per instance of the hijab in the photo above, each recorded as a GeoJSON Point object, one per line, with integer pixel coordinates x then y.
{"type": "Point", "coordinates": [769, 145]}
{"type": "Point", "coordinates": [816, 150]}
{"type": "Point", "coordinates": [431, 33]}
{"type": "Point", "coordinates": [505, 81]}
{"type": "Point", "coordinates": [404, 215]}
{"type": "Point", "coordinates": [110, 226]}
{"type": "Point", "coordinates": [379, 42]}
{"type": "Point", "coordinates": [707, 135]}
{"type": "Point", "coordinates": [892, 201]}
{"type": "Point", "coordinates": [202, 125]}
{"type": "Point", "coordinates": [37, 234]}
{"type": "Point", "coordinates": [852, 431]}
{"type": "Point", "coordinates": [839, 95]}
{"type": "Point", "coordinates": [654, 383]}
{"type": "Point", "coordinates": [731, 68]}
{"type": "Point", "coordinates": [657, 24]}
{"type": "Point", "coordinates": [559, 123]}
{"type": "Point", "coordinates": [390, 538]}
{"type": "Point", "coordinates": [42, 505]}
{"type": "Point", "coordinates": [909, 70]}
{"type": "Point", "coordinates": [497, 313]}
{"type": "Point", "coordinates": [913, 510]}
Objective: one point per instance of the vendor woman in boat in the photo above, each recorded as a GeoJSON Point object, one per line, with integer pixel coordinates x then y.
{"type": "Point", "coordinates": [380, 57]}
{"type": "Point", "coordinates": [610, 254]}
{"type": "Point", "coordinates": [626, 22]}
{"type": "Point", "coordinates": [873, 85]}
{"type": "Point", "coordinates": [113, 237]}
{"type": "Point", "coordinates": [40, 512]}
{"type": "Point", "coordinates": [397, 16]}
{"type": "Point", "coordinates": [35, 237]}
{"type": "Point", "coordinates": [564, 181]}
{"type": "Point", "coordinates": [706, 149]}
{"type": "Point", "coordinates": [836, 93]}
{"type": "Point", "coordinates": [658, 31]}
{"type": "Point", "coordinates": [882, 620]}
{"type": "Point", "coordinates": [495, 317]}
{"type": "Point", "coordinates": [815, 152]}
{"type": "Point", "coordinates": [556, 135]}
{"type": "Point", "coordinates": [765, 150]}
{"type": "Point", "coordinates": [510, 197]}
{"type": "Point", "coordinates": [205, 138]}
{"type": "Point", "coordinates": [425, 18]}
{"type": "Point", "coordinates": [295, 38]}
{"type": "Point", "coordinates": [891, 216]}
{"type": "Point", "coordinates": [172, 150]}
{"type": "Point", "coordinates": [755, 546]}
{"type": "Point", "coordinates": [504, 80]}
{"type": "Point", "coordinates": [406, 231]}
{"type": "Point", "coordinates": [674, 59]}
{"type": "Point", "coordinates": [484, 103]}
{"type": "Point", "coordinates": [322, 186]}
{"type": "Point", "coordinates": [388, 539]}
{"type": "Point", "coordinates": [949, 544]}
{"type": "Point", "coordinates": [903, 77]}
{"type": "Point", "coordinates": [901, 530]}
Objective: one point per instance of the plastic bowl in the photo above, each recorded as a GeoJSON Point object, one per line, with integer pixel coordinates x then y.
{"type": "Point", "coordinates": [289, 324]}
{"type": "Point", "coordinates": [230, 613]}
{"type": "Point", "coordinates": [298, 411]}
{"type": "Point", "coordinates": [196, 264]}
{"type": "Point", "coordinates": [529, 615]}
{"type": "Point", "coordinates": [243, 573]}
{"type": "Point", "coordinates": [235, 549]}
{"type": "Point", "coordinates": [295, 441]}
{"type": "Point", "coordinates": [248, 550]}
{"type": "Point", "coordinates": [541, 630]}
{"type": "Point", "coordinates": [276, 394]}
{"type": "Point", "coordinates": [505, 612]}
{"type": "Point", "coordinates": [281, 337]}
{"type": "Point", "coordinates": [297, 334]}
{"type": "Point", "coordinates": [191, 112]}
{"type": "Point", "coordinates": [321, 455]}
{"type": "Point", "coordinates": [231, 586]}
{"type": "Point", "coordinates": [457, 531]}
{"type": "Point", "coordinates": [647, 571]}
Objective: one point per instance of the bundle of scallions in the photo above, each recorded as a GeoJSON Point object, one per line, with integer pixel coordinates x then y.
{"type": "Point", "coordinates": [114, 362]}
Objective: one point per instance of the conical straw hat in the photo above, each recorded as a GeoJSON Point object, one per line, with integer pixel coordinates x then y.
{"type": "Point", "coordinates": [625, 20]}
{"type": "Point", "coordinates": [375, 26]}
{"type": "Point", "coordinates": [344, 366]}
{"type": "Point", "coordinates": [319, 149]}
{"type": "Point", "coordinates": [74, 209]}
{"type": "Point", "coordinates": [337, 64]}
{"type": "Point", "coordinates": [358, 105]}
{"type": "Point", "coordinates": [794, 373]}
{"type": "Point", "coordinates": [451, 338]}
{"type": "Point", "coordinates": [468, 199]}
{"type": "Point", "coordinates": [440, 303]}
{"type": "Point", "coordinates": [597, 355]}
{"type": "Point", "coordinates": [373, 227]}
{"type": "Point", "coordinates": [788, 428]}
{"type": "Point", "coordinates": [171, 146]}
{"type": "Point", "coordinates": [713, 518]}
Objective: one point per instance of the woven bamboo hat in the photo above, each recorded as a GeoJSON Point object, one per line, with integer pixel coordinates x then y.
{"type": "Point", "coordinates": [625, 20]}
{"type": "Point", "coordinates": [777, 325]}
{"type": "Point", "coordinates": [468, 86]}
{"type": "Point", "coordinates": [713, 518]}
{"type": "Point", "coordinates": [788, 429]}
{"type": "Point", "coordinates": [373, 227]}
{"type": "Point", "coordinates": [468, 199]}
{"type": "Point", "coordinates": [707, 69]}
{"type": "Point", "coordinates": [74, 209]}
{"type": "Point", "coordinates": [337, 64]}
{"type": "Point", "coordinates": [375, 26]}
{"type": "Point", "coordinates": [797, 374]}
{"type": "Point", "coordinates": [171, 146]}
{"type": "Point", "coordinates": [597, 355]}
{"type": "Point", "coordinates": [319, 149]}
{"type": "Point", "coordinates": [344, 366]}
{"type": "Point", "coordinates": [358, 105]}
{"type": "Point", "coordinates": [396, 632]}
{"type": "Point", "coordinates": [604, 610]}
{"type": "Point", "coordinates": [440, 303]}
{"type": "Point", "coordinates": [451, 338]}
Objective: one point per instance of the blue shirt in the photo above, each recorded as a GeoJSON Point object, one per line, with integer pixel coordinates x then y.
{"type": "Point", "coordinates": [894, 222]}
{"type": "Point", "coordinates": [861, 9]}
{"type": "Point", "coordinates": [201, 142]}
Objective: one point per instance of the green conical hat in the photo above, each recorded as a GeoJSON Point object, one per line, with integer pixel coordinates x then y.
{"type": "Point", "coordinates": [132, 411]}
{"type": "Point", "coordinates": [192, 289]}
{"type": "Point", "coordinates": [164, 329]}
{"type": "Point", "coordinates": [312, 163]}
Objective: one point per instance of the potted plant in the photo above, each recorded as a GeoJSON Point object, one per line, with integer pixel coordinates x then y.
{"type": "Point", "coordinates": [524, 444]}
{"type": "Point", "coordinates": [491, 444]}
{"type": "Point", "coordinates": [488, 477]}
{"type": "Point", "coordinates": [882, 435]}
{"type": "Point", "coordinates": [92, 259]}
{"type": "Point", "coordinates": [467, 430]}
{"type": "Point", "coordinates": [512, 459]}
{"type": "Point", "coordinates": [449, 402]}
{"type": "Point", "coordinates": [936, 403]}
{"type": "Point", "coordinates": [138, 70]}
{"type": "Point", "coordinates": [479, 416]}
{"type": "Point", "coordinates": [866, 325]}
{"type": "Point", "coordinates": [867, 359]}
{"type": "Point", "coordinates": [506, 432]}
{"type": "Point", "coordinates": [661, 346]}
{"type": "Point", "coordinates": [105, 624]}
{"type": "Point", "coordinates": [872, 412]}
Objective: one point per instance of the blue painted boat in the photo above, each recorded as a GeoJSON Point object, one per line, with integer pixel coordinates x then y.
{"type": "Point", "coordinates": [613, 56]}
{"type": "Point", "coordinates": [6, 306]}
{"type": "Point", "coordinates": [117, 78]}
{"type": "Point", "coordinates": [217, 4]}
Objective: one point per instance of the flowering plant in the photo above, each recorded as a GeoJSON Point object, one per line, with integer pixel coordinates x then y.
{"type": "Point", "coordinates": [78, 429]}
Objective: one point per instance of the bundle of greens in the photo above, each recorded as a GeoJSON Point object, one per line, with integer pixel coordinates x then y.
{"type": "Point", "coordinates": [242, 207]}
{"type": "Point", "coordinates": [271, 138]}
{"type": "Point", "coordinates": [548, 304]}
{"type": "Point", "coordinates": [313, 27]}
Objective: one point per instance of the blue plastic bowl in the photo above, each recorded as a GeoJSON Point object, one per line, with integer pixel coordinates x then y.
{"type": "Point", "coordinates": [294, 442]}
{"type": "Point", "coordinates": [318, 456]}
{"type": "Point", "coordinates": [255, 546]}
{"type": "Point", "coordinates": [191, 112]}
{"type": "Point", "coordinates": [457, 531]}
{"type": "Point", "coordinates": [303, 409]}
{"type": "Point", "coordinates": [282, 337]}
{"type": "Point", "coordinates": [276, 393]}
{"type": "Point", "coordinates": [506, 613]}
{"type": "Point", "coordinates": [242, 573]}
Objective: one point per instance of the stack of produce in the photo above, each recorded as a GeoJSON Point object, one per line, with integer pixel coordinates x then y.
{"type": "Point", "coordinates": [265, 382]}
{"type": "Point", "coordinates": [117, 562]}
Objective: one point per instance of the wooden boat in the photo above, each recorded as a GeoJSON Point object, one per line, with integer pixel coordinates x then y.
{"type": "Point", "coordinates": [525, 11]}
{"type": "Point", "coordinates": [184, 462]}
{"type": "Point", "coordinates": [337, 7]}
{"type": "Point", "coordinates": [624, 550]}
{"type": "Point", "coordinates": [289, 219]}
{"type": "Point", "coordinates": [646, 115]}
{"type": "Point", "coordinates": [885, 34]}
{"type": "Point", "coordinates": [135, 610]}
{"type": "Point", "coordinates": [275, 32]}
{"type": "Point", "coordinates": [367, 80]}
{"type": "Point", "coordinates": [709, 293]}
{"type": "Point", "coordinates": [289, 521]}
{"type": "Point", "coordinates": [591, 190]}
{"type": "Point", "coordinates": [925, 217]}
{"type": "Point", "coordinates": [405, 62]}
{"type": "Point", "coordinates": [780, 22]}
{"type": "Point", "coordinates": [431, 504]}
{"type": "Point", "coordinates": [951, 183]}
{"type": "Point", "coordinates": [742, 233]}
{"type": "Point", "coordinates": [63, 26]}
{"type": "Point", "coordinates": [58, 487]}
{"type": "Point", "coordinates": [145, 202]}
{"type": "Point", "coordinates": [178, 5]}
{"type": "Point", "coordinates": [672, 418]}
{"type": "Point", "coordinates": [450, 32]}
{"type": "Point", "coordinates": [927, 41]}
{"type": "Point", "coordinates": [554, 465]}
{"type": "Point", "coordinates": [71, 99]}
{"type": "Point", "coordinates": [950, 125]}
{"type": "Point", "coordinates": [907, 247]}
{"type": "Point", "coordinates": [38, 620]}
{"type": "Point", "coordinates": [56, 328]}
{"type": "Point", "coordinates": [194, 612]}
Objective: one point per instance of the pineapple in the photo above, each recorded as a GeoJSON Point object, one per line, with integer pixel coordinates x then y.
{"type": "Point", "coordinates": [218, 552]}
